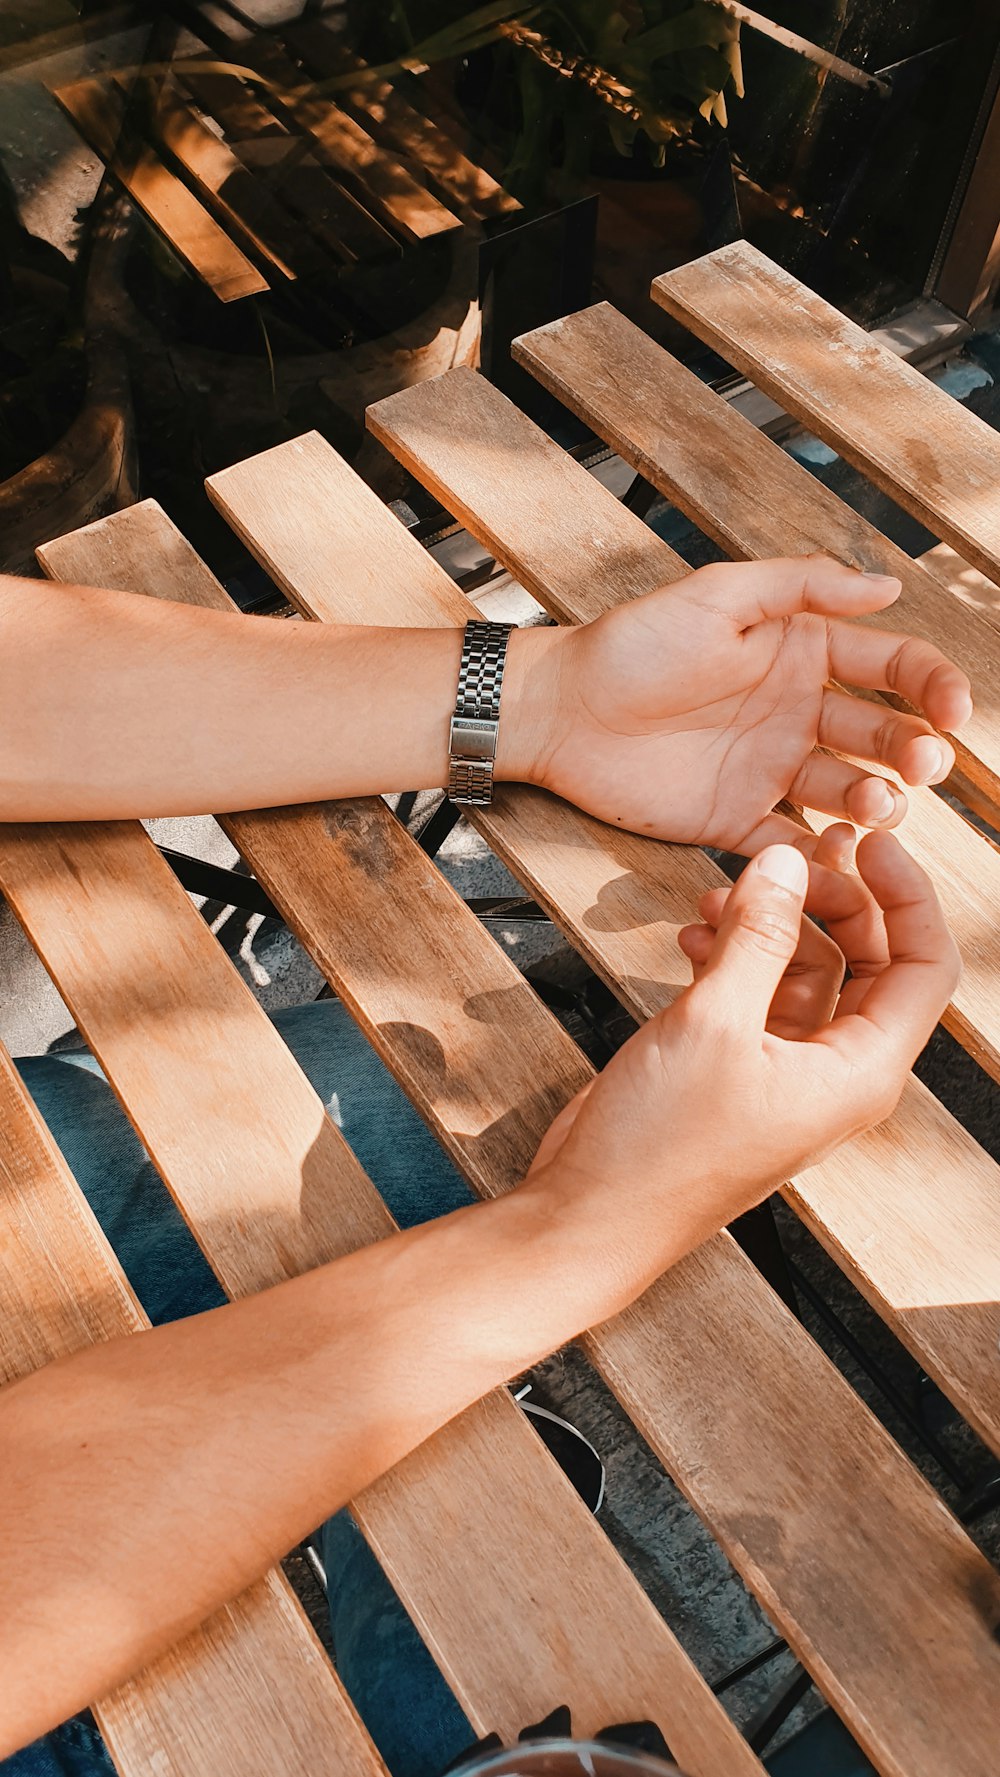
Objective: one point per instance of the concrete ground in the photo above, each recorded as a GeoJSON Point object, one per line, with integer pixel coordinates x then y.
{"type": "Point", "coordinates": [680, 1565]}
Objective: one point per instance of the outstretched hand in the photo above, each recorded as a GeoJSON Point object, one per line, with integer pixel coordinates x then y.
{"type": "Point", "coordinates": [766, 1062]}
{"type": "Point", "coordinates": [691, 713]}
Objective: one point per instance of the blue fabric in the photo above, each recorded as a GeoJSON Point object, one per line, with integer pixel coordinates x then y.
{"type": "Point", "coordinates": [823, 1748]}
{"type": "Point", "coordinates": [396, 1687]}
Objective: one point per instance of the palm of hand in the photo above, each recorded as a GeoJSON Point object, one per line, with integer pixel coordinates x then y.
{"type": "Point", "coordinates": [693, 729]}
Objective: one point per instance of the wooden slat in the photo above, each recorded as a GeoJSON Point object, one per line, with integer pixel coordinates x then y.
{"type": "Point", "coordinates": [251, 1691]}
{"type": "Point", "coordinates": [382, 183]}
{"type": "Point", "coordinates": [963, 581]}
{"type": "Point", "coordinates": [468, 187]}
{"type": "Point", "coordinates": [195, 1058]}
{"type": "Point", "coordinates": [757, 502]}
{"type": "Point", "coordinates": [242, 202]}
{"type": "Point", "coordinates": [288, 169]}
{"type": "Point", "coordinates": [194, 235]}
{"type": "Point", "coordinates": [689, 1360]}
{"type": "Point", "coordinates": [577, 549]}
{"type": "Point", "coordinates": [925, 449]}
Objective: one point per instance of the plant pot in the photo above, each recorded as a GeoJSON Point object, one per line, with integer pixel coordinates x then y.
{"type": "Point", "coordinates": [201, 408]}
{"type": "Point", "coordinates": [645, 227]}
{"type": "Point", "coordinates": [88, 473]}
{"type": "Point", "coordinates": [90, 470]}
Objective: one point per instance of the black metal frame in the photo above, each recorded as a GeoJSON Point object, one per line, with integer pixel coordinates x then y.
{"type": "Point", "coordinates": [230, 888]}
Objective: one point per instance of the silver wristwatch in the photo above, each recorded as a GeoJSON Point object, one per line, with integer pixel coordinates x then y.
{"type": "Point", "coordinates": [472, 744]}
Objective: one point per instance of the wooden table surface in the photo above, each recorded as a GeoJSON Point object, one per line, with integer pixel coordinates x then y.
{"type": "Point", "coordinates": [879, 1590]}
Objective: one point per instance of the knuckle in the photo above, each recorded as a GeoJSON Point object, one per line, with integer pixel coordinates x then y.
{"type": "Point", "coordinates": [885, 739]}
{"type": "Point", "coordinates": [767, 928]}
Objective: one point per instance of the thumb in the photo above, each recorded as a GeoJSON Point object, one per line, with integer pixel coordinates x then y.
{"type": "Point", "coordinates": [555, 1136]}
{"type": "Point", "coordinates": [758, 933]}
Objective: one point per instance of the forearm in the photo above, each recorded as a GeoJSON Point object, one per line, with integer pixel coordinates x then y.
{"type": "Point", "coordinates": [222, 1440]}
{"type": "Point", "coordinates": [114, 706]}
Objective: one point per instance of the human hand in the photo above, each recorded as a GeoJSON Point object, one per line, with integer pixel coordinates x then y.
{"type": "Point", "coordinates": [690, 713]}
{"type": "Point", "coordinates": [761, 1066]}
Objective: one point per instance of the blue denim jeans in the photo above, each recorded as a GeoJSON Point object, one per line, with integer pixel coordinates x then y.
{"type": "Point", "coordinates": [397, 1689]}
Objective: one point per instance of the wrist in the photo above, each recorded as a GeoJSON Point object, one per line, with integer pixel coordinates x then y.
{"type": "Point", "coordinates": [605, 1249]}
{"type": "Point", "coordinates": [531, 703]}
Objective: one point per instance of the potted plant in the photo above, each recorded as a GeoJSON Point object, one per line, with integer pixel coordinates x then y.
{"type": "Point", "coordinates": [624, 97]}
{"type": "Point", "coordinates": [66, 451]}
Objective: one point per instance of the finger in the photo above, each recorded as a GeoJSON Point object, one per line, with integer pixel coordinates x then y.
{"type": "Point", "coordinates": [834, 850]}
{"type": "Point", "coordinates": [834, 787]}
{"type": "Point", "coordinates": [807, 993]}
{"type": "Point", "coordinates": [757, 937]}
{"type": "Point", "coordinates": [837, 895]}
{"type": "Point", "coordinates": [754, 591]}
{"type": "Point", "coordinates": [883, 661]}
{"type": "Point", "coordinates": [875, 731]}
{"type": "Point", "coordinates": [777, 829]}
{"type": "Point", "coordinates": [849, 911]}
{"type": "Point", "coordinates": [905, 999]}
{"type": "Point", "coordinates": [696, 942]}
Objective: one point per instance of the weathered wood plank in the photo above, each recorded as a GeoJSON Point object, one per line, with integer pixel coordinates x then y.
{"type": "Point", "coordinates": [756, 503]}
{"type": "Point", "coordinates": [194, 235]}
{"type": "Point", "coordinates": [194, 1058]}
{"type": "Point", "coordinates": [578, 550]}
{"type": "Point", "coordinates": [298, 507]}
{"type": "Point", "coordinates": [252, 1690]}
{"type": "Point", "coordinates": [929, 452]}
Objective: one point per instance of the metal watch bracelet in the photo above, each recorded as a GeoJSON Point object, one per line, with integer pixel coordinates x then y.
{"type": "Point", "coordinates": [472, 742]}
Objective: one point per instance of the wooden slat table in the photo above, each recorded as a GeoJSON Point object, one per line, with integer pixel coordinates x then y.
{"type": "Point", "coordinates": [877, 1587]}
{"type": "Point", "coordinates": [578, 550]}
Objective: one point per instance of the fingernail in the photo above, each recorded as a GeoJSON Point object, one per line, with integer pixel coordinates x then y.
{"type": "Point", "coordinates": [882, 579]}
{"type": "Point", "coordinates": [884, 803]}
{"type": "Point", "coordinates": [939, 764]}
{"type": "Point", "coordinates": [785, 866]}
